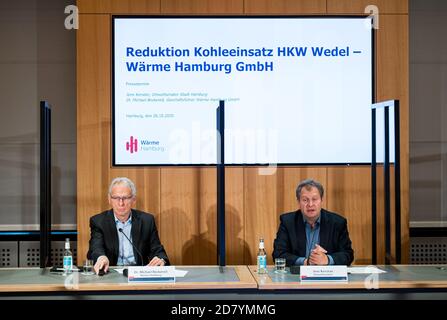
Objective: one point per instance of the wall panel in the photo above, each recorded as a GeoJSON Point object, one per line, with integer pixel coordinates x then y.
{"type": "Point", "coordinates": [261, 210]}
{"type": "Point", "coordinates": [119, 6]}
{"type": "Point", "coordinates": [93, 85]}
{"type": "Point", "coordinates": [393, 83]}
{"type": "Point", "coordinates": [237, 249]}
{"type": "Point", "coordinates": [358, 6]}
{"type": "Point", "coordinates": [183, 200]}
{"type": "Point", "coordinates": [201, 7]}
{"type": "Point", "coordinates": [285, 6]}
{"type": "Point", "coordinates": [185, 223]}
{"type": "Point", "coordinates": [349, 194]}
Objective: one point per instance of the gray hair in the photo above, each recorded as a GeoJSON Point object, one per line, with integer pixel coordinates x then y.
{"type": "Point", "coordinates": [125, 181]}
{"type": "Point", "coordinates": [307, 184]}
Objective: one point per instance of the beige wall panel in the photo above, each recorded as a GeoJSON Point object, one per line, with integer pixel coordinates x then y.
{"type": "Point", "coordinates": [119, 6]}
{"type": "Point", "coordinates": [237, 250]}
{"type": "Point", "coordinates": [180, 212]}
{"type": "Point", "coordinates": [93, 87]}
{"type": "Point", "coordinates": [358, 6]}
{"type": "Point", "coordinates": [393, 83]}
{"type": "Point", "coordinates": [94, 150]}
{"type": "Point", "coordinates": [147, 181]}
{"type": "Point", "coordinates": [285, 6]}
{"type": "Point", "coordinates": [183, 199]}
{"type": "Point", "coordinates": [393, 215]}
{"type": "Point", "coordinates": [381, 218]}
{"type": "Point", "coordinates": [261, 210]}
{"type": "Point", "coordinates": [202, 6]}
{"type": "Point", "coordinates": [188, 197]}
{"type": "Point", "coordinates": [380, 205]}
{"type": "Point", "coordinates": [349, 193]}
{"type": "Point", "coordinates": [189, 215]}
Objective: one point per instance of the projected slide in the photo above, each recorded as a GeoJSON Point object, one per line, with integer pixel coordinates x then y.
{"type": "Point", "coordinates": [296, 90]}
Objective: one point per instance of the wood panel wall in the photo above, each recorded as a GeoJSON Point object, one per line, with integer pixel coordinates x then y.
{"type": "Point", "coordinates": [183, 200]}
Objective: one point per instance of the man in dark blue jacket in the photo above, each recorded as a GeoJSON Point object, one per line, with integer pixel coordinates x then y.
{"type": "Point", "coordinates": [312, 235]}
{"type": "Point", "coordinates": [124, 236]}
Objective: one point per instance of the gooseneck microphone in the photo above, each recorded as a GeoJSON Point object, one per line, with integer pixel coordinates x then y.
{"type": "Point", "coordinates": [136, 249]}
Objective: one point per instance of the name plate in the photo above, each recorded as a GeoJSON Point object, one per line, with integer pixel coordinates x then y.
{"type": "Point", "coordinates": [151, 274]}
{"type": "Point", "coordinates": [324, 273]}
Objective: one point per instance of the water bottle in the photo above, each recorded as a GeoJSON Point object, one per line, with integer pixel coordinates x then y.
{"type": "Point", "coordinates": [68, 258]}
{"type": "Point", "coordinates": [262, 258]}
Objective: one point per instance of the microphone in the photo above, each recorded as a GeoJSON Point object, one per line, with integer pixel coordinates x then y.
{"type": "Point", "coordinates": [125, 271]}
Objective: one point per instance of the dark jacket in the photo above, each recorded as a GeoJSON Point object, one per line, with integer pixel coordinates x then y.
{"type": "Point", "coordinates": [290, 242]}
{"type": "Point", "coordinates": [104, 237]}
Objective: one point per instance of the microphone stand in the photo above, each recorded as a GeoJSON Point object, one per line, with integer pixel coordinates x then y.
{"type": "Point", "coordinates": [125, 270]}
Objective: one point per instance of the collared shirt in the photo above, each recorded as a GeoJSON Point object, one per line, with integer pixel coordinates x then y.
{"type": "Point", "coordinates": [312, 239]}
{"type": "Point", "coordinates": [125, 256]}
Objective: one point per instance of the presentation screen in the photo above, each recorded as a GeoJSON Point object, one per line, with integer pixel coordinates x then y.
{"type": "Point", "coordinates": [297, 90]}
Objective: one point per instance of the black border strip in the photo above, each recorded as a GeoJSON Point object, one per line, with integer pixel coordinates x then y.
{"type": "Point", "coordinates": [220, 178]}
{"type": "Point", "coordinates": [428, 232]}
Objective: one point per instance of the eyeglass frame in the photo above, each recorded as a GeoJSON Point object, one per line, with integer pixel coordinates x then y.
{"type": "Point", "coordinates": [124, 199]}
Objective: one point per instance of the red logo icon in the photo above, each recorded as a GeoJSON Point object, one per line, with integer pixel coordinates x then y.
{"type": "Point", "coordinates": [132, 145]}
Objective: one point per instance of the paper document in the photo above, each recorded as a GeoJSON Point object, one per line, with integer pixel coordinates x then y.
{"type": "Point", "coordinates": [180, 273]}
{"type": "Point", "coordinates": [364, 270]}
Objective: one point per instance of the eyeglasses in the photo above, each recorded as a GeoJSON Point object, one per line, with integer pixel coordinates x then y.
{"type": "Point", "coordinates": [306, 201]}
{"type": "Point", "coordinates": [124, 199]}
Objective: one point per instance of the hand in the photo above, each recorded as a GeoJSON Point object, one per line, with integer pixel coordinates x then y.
{"type": "Point", "coordinates": [156, 261]}
{"type": "Point", "coordinates": [101, 263]}
{"type": "Point", "coordinates": [319, 248]}
{"type": "Point", "coordinates": [318, 256]}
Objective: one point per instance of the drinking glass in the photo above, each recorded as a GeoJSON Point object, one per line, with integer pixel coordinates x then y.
{"type": "Point", "coordinates": [87, 268]}
{"type": "Point", "coordinates": [280, 265]}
